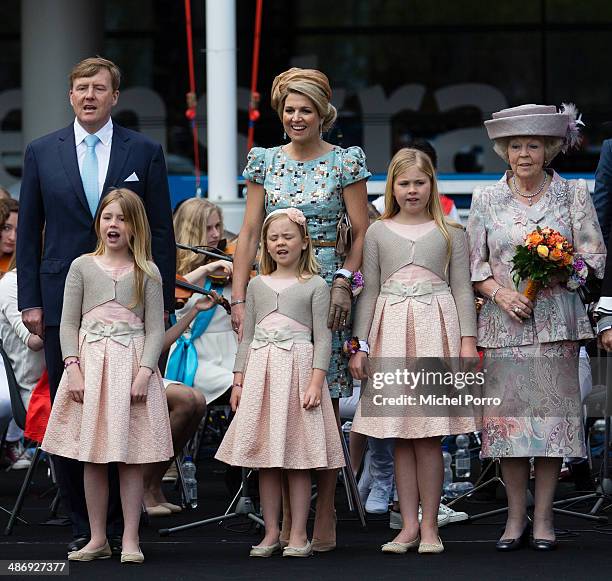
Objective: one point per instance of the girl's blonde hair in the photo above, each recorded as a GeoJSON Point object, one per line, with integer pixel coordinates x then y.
{"type": "Point", "coordinates": [190, 221]}
{"type": "Point", "coordinates": [139, 239]}
{"type": "Point", "coordinates": [402, 161]}
{"type": "Point", "coordinates": [307, 265]}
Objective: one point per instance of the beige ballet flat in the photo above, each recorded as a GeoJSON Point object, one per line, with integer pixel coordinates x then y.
{"type": "Point", "coordinates": [305, 551]}
{"type": "Point", "coordinates": [322, 546]}
{"type": "Point", "coordinates": [284, 541]}
{"type": "Point", "coordinates": [430, 548]}
{"type": "Point", "coordinates": [158, 510]}
{"type": "Point", "coordinates": [172, 507]}
{"type": "Point", "coordinates": [267, 551]}
{"type": "Point", "coordinates": [400, 548]}
{"type": "Point", "coordinates": [137, 557]}
{"type": "Point", "coordinates": [83, 555]}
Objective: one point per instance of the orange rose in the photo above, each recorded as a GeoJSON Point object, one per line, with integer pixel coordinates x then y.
{"type": "Point", "coordinates": [556, 254]}
{"type": "Point", "coordinates": [534, 239]}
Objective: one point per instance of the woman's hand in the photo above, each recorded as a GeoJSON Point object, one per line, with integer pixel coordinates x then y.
{"type": "Point", "coordinates": [517, 305]}
{"type": "Point", "coordinates": [359, 365]}
{"type": "Point", "coordinates": [207, 302]}
{"type": "Point", "coordinates": [312, 397]}
{"type": "Point", "coordinates": [605, 340]}
{"type": "Point", "coordinates": [238, 319]}
{"type": "Point", "coordinates": [140, 387]}
{"type": "Point", "coordinates": [219, 268]}
{"type": "Point", "coordinates": [235, 397]}
{"type": "Point", "coordinates": [76, 384]}
{"type": "Point", "coordinates": [470, 358]}
{"type": "Point", "coordinates": [340, 304]}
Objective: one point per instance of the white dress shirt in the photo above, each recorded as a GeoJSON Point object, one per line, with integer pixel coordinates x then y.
{"type": "Point", "coordinates": [28, 365]}
{"type": "Point", "coordinates": [103, 149]}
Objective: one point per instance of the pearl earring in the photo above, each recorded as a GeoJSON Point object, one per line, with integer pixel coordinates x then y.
{"type": "Point", "coordinates": [284, 136]}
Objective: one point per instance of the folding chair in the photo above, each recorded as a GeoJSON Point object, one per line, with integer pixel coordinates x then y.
{"type": "Point", "coordinates": [19, 415]}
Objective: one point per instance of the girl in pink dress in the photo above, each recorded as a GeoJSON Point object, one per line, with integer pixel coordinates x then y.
{"type": "Point", "coordinates": [110, 405]}
{"type": "Point", "coordinates": [284, 415]}
{"type": "Point", "coordinates": [417, 302]}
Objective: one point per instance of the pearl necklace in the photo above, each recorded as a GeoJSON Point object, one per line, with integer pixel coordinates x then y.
{"type": "Point", "coordinates": [529, 197]}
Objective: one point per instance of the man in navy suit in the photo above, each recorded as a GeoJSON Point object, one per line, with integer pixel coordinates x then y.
{"type": "Point", "coordinates": [56, 225]}
{"type": "Point", "coordinates": [603, 189]}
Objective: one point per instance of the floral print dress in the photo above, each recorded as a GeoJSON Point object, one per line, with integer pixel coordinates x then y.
{"type": "Point", "coordinates": [533, 366]}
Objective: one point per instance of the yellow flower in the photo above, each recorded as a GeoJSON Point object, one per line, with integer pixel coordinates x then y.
{"type": "Point", "coordinates": [542, 251]}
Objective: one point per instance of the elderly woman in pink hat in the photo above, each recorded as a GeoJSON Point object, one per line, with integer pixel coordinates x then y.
{"type": "Point", "coordinates": [531, 347]}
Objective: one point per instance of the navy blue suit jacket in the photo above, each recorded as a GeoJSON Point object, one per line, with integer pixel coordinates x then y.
{"type": "Point", "coordinates": [602, 194]}
{"type": "Point", "coordinates": [52, 198]}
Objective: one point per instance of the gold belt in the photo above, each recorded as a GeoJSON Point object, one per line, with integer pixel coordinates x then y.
{"type": "Point", "coordinates": [324, 243]}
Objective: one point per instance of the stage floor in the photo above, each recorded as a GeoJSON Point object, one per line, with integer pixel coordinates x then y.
{"type": "Point", "coordinates": [221, 551]}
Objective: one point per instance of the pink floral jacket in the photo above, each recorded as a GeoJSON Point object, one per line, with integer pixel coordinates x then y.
{"type": "Point", "coordinates": [497, 223]}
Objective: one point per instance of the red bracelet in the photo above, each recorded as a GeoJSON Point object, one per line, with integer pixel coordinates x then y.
{"type": "Point", "coordinates": [73, 362]}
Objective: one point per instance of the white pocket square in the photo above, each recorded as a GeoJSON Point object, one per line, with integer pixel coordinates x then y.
{"type": "Point", "coordinates": [132, 178]}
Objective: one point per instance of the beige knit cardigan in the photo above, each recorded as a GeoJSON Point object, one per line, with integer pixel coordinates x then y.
{"type": "Point", "coordinates": [386, 252]}
{"type": "Point", "coordinates": [89, 286]}
{"type": "Point", "coordinates": [305, 302]}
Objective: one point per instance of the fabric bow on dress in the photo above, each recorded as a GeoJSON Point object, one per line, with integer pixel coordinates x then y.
{"type": "Point", "coordinates": [120, 332]}
{"type": "Point", "coordinates": [398, 292]}
{"type": "Point", "coordinates": [283, 338]}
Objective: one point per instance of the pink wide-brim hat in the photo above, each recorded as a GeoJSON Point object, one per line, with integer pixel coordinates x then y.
{"type": "Point", "coordinates": [537, 120]}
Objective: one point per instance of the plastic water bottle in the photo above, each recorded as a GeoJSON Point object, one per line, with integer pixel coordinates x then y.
{"type": "Point", "coordinates": [448, 471]}
{"type": "Point", "coordinates": [462, 456]}
{"type": "Point", "coordinates": [191, 484]}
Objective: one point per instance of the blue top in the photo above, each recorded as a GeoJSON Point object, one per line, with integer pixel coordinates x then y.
{"type": "Point", "coordinates": [314, 186]}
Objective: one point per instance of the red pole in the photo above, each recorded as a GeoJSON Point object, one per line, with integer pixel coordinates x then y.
{"type": "Point", "coordinates": [190, 113]}
{"type": "Point", "coordinates": [254, 103]}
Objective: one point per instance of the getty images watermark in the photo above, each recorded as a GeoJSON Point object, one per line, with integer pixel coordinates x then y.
{"type": "Point", "coordinates": [451, 387]}
{"type": "Point", "coordinates": [423, 386]}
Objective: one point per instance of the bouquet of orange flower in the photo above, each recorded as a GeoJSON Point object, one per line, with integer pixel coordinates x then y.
{"type": "Point", "coordinates": [545, 253]}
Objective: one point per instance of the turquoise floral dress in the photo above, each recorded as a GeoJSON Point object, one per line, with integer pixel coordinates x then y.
{"type": "Point", "coordinates": [316, 188]}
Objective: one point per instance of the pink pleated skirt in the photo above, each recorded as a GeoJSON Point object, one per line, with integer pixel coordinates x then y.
{"type": "Point", "coordinates": [107, 427]}
{"type": "Point", "coordinates": [271, 429]}
{"type": "Point", "coordinates": [406, 331]}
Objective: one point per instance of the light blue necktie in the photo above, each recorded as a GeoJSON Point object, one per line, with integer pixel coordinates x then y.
{"type": "Point", "coordinates": [89, 173]}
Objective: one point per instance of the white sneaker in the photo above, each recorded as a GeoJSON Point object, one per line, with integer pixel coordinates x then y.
{"type": "Point", "coordinates": [16, 455]}
{"type": "Point", "coordinates": [453, 515]}
{"type": "Point", "coordinates": [378, 501]}
{"type": "Point", "coordinates": [396, 523]}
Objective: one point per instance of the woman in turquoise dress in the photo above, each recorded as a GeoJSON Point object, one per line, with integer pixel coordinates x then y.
{"type": "Point", "coordinates": [324, 182]}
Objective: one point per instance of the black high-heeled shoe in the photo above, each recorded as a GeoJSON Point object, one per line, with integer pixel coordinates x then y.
{"type": "Point", "coordinates": [543, 544]}
{"type": "Point", "coordinates": [506, 545]}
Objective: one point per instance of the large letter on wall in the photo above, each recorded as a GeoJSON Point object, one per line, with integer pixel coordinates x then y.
{"type": "Point", "coordinates": [150, 109]}
{"type": "Point", "coordinates": [376, 113]}
{"type": "Point", "coordinates": [10, 141]}
{"type": "Point", "coordinates": [486, 99]}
